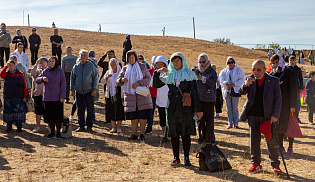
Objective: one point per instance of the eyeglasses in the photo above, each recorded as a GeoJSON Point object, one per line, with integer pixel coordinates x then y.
{"type": "Point", "coordinates": [231, 62]}
{"type": "Point", "coordinates": [202, 62]}
{"type": "Point", "coordinates": [140, 58]}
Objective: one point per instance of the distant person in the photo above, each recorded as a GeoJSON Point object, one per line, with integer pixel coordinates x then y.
{"type": "Point", "coordinates": [273, 52]}
{"type": "Point", "coordinates": [269, 55]}
{"type": "Point", "coordinates": [206, 86]}
{"type": "Point", "coordinates": [38, 68]}
{"type": "Point", "coordinates": [280, 52]}
{"type": "Point", "coordinates": [137, 107]}
{"type": "Point", "coordinates": [14, 94]}
{"type": "Point", "coordinates": [35, 41]}
{"type": "Point", "coordinates": [94, 61]}
{"type": "Point", "coordinates": [68, 61]}
{"type": "Point", "coordinates": [300, 87]}
{"type": "Point", "coordinates": [302, 57]}
{"type": "Point", "coordinates": [22, 69]}
{"type": "Point", "coordinates": [5, 40]}
{"type": "Point", "coordinates": [180, 122]}
{"type": "Point", "coordinates": [20, 38]}
{"type": "Point", "coordinates": [56, 42]}
{"type": "Point", "coordinates": [53, 25]}
{"type": "Point", "coordinates": [114, 97]}
{"type": "Point", "coordinates": [22, 57]}
{"type": "Point", "coordinates": [231, 78]}
{"type": "Point", "coordinates": [286, 55]}
{"type": "Point", "coordinates": [311, 57]}
{"type": "Point", "coordinates": [83, 85]}
{"type": "Point", "coordinates": [310, 97]}
{"type": "Point", "coordinates": [219, 99]}
{"type": "Point", "coordinates": [262, 108]}
{"type": "Point", "coordinates": [54, 94]}
{"type": "Point", "coordinates": [288, 86]}
{"type": "Point", "coordinates": [293, 52]}
{"type": "Point", "coordinates": [127, 46]}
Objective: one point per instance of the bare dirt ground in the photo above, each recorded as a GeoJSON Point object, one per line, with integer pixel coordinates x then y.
{"type": "Point", "coordinates": [102, 156]}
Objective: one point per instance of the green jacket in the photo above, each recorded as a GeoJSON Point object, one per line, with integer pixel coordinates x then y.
{"type": "Point", "coordinates": [22, 69]}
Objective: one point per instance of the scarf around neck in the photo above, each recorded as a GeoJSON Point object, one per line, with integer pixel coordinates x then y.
{"type": "Point", "coordinates": [113, 85]}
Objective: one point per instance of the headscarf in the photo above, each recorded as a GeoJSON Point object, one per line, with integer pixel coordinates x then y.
{"type": "Point", "coordinates": [230, 57]}
{"type": "Point", "coordinates": [92, 54]}
{"type": "Point", "coordinates": [55, 67]}
{"type": "Point", "coordinates": [113, 85]}
{"type": "Point", "coordinates": [128, 37]}
{"type": "Point", "coordinates": [176, 76]}
{"type": "Point", "coordinates": [203, 69]}
{"type": "Point", "coordinates": [153, 62]}
{"type": "Point", "coordinates": [133, 74]}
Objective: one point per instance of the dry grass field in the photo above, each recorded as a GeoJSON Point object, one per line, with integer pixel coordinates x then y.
{"type": "Point", "coordinates": [102, 156]}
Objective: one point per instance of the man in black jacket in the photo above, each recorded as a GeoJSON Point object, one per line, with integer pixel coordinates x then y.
{"type": "Point", "coordinates": [20, 38]}
{"type": "Point", "coordinates": [298, 73]}
{"type": "Point", "coordinates": [35, 41]}
{"type": "Point", "coordinates": [127, 46]}
{"type": "Point", "coordinates": [56, 42]}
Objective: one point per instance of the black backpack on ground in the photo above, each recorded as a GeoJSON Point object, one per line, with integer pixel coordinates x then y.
{"type": "Point", "coordinates": [212, 159]}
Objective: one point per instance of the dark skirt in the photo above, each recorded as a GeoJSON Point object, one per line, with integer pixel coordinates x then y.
{"type": "Point", "coordinates": [114, 110]}
{"type": "Point", "coordinates": [39, 105]}
{"type": "Point", "coordinates": [219, 101]}
{"type": "Point", "coordinates": [144, 114]}
{"type": "Point", "coordinates": [14, 110]}
{"type": "Point", "coordinates": [53, 111]}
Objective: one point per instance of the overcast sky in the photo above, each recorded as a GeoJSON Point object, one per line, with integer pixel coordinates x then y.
{"type": "Point", "coordinates": [244, 22]}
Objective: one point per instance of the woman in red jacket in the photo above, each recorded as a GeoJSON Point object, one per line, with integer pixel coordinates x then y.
{"type": "Point", "coordinates": [14, 95]}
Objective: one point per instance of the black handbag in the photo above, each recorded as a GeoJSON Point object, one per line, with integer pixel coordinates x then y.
{"type": "Point", "coordinates": [232, 93]}
{"type": "Point", "coordinates": [211, 158]}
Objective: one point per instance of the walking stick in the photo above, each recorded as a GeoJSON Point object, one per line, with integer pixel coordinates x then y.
{"type": "Point", "coordinates": [275, 134]}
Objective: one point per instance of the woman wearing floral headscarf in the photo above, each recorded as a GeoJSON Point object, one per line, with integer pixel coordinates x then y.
{"type": "Point", "coordinates": [288, 91]}
{"type": "Point", "coordinates": [113, 96]}
{"type": "Point", "coordinates": [180, 122]}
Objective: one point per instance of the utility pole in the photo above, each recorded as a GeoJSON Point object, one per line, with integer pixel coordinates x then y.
{"type": "Point", "coordinates": [23, 17]}
{"type": "Point", "coordinates": [28, 17]}
{"type": "Point", "coordinates": [194, 28]}
{"type": "Point", "coordinates": [163, 31]}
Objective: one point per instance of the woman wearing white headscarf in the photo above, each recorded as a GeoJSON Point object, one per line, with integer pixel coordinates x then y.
{"type": "Point", "coordinates": [231, 79]}
{"type": "Point", "coordinates": [137, 107]}
{"type": "Point", "coordinates": [113, 96]}
{"type": "Point", "coordinates": [180, 81]}
{"type": "Point", "coordinates": [288, 86]}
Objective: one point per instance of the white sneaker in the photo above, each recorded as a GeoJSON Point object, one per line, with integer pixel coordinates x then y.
{"type": "Point", "coordinates": [36, 130]}
{"type": "Point", "coordinates": [113, 130]}
{"type": "Point", "coordinates": [119, 130]}
{"type": "Point", "coordinates": [71, 118]}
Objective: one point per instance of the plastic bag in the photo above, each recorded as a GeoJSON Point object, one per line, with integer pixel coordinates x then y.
{"type": "Point", "coordinates": [294, 129]}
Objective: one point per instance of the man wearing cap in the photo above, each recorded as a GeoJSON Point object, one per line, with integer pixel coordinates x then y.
{"type": "Point", "coordinates": [20, 38]}
{"type": "Point", "coordinates": [56, 42]}
{"type": "Point", "coordinates": [262, 107]}
{"type": "Point", "coordinates": [35, 41]}
{"type": "Point", "coordinates": [22, 69]}
{"type": "Point", "coordinates": [5, 40]}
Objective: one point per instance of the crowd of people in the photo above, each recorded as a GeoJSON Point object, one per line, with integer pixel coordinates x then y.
{"type": "Point", "coordinates": [132, 92]}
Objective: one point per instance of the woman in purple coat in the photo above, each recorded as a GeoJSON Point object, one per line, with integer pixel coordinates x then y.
{"type": "Point", "coordinates": [54, 95]}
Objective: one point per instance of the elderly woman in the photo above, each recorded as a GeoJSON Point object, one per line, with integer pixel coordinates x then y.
{"type": "Point", "coordinates": [113, 96]}
{"type": "Point", "coordinates": [231, 78]}
{"type": "Point", "coordinates": [137, 107]}
{"type": "Point", "coordinates": [206, 86]}
{"type": "Point", "coordinates": [181, 81]}
{"type": "Point", "coordinates": [54, 95]}
{"type": "Point", "coordinates": [288, 86]}
{"type": "Point", "coordinates": [41, 65]}
{"type": "Point", "coordinates": [14, 95]}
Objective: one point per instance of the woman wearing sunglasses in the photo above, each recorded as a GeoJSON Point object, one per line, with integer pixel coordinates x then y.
{"type": "Point", "coordinates": [206, 86]}
{"type": "Point", "coordinates": [231, 79]}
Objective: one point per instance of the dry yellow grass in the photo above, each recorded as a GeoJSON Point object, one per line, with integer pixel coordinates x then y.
{"type": "Point", "coordinates": [101, 156]}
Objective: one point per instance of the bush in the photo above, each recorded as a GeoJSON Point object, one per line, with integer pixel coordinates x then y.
{"type": "Point", "coordinates": [223, 41]}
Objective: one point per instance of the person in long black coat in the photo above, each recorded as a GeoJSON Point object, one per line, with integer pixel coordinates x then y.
{"type": "Point", "coordinates": [288, 85]}
{"type": "Point", "coordinates": [127, 46]}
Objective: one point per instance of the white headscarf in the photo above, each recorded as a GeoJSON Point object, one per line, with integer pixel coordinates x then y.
{"type": "Point", "coordinates": [133, 74]}
{"type": "Point", "coordinates": [113, 85]}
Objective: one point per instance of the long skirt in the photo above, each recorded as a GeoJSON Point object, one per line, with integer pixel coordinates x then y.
{"type": "Point", "coordinates": [14, 110]}
{"type": "Point", "coordinates": [114, 109]}
{"type": "Point", "coordinates": [53, 111]}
